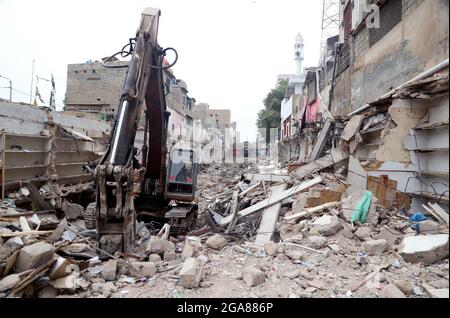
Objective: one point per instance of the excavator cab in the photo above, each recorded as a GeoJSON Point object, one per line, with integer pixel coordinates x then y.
{"type": "Point", "coordinates": [180, 187]}
{"type": "Point", "coordinates": [181, 175]}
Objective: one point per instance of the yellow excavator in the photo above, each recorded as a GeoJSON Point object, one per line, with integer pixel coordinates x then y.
{"type": "Point", "coordinates": [162, 176]}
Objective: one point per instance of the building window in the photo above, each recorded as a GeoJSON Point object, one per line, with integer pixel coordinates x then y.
{"type": "Point", "coordinates": [390, 16]}
{"type": "Point", "coordinates": [348, 20]}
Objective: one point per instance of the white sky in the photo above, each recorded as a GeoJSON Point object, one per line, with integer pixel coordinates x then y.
{"type": "Point", "coordinates": [230, 51]}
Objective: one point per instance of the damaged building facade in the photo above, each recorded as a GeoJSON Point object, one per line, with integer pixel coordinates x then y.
{"type": "Point", "coordinates": [388, 111]}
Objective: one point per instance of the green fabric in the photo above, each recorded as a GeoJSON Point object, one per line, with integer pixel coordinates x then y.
{"type": "Point", "coordinates": [362, 208]}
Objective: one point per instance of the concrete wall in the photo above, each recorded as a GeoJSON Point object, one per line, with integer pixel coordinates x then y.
{"type": "Point", "coordinates": [417, 43]}
{"type": "Point", "coordinates": [41, 143]}
{"type": "Point", "coordinates": [94, 88]}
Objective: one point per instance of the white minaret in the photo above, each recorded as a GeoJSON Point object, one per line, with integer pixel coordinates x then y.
{"type": "Point", "coordinates": [299, 53]}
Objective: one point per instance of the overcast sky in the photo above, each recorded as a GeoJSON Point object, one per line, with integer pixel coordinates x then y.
{"type": "Point", "coordinates": [230, 51]}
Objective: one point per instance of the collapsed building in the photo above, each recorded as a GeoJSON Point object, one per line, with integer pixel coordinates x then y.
{"type": "Point", "coordinates": [382, 96]}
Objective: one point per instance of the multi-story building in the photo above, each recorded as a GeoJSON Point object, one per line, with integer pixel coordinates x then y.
{"type": "Point", "coordinates": [94, 91]}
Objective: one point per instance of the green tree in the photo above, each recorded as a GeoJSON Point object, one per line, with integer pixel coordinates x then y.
{"type": "Point", "coordinates": [270, 116]}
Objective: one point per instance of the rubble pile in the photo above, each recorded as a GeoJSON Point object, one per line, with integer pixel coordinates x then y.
{"type": "Point", "coordinates": [261, 232]}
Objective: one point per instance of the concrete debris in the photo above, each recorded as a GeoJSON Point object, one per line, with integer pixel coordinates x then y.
{"type": "Point", "coordinates": [293, 254]}
{"type": "Point", "coordinates": [109, 270]}
{"type": "Point", "coordinates": [159, 246]}
{"type": "Point", "coordinates": [67, 283]}
{"type": "Point", "coordinates": [328, 225]}
{"type": "Point", "coordinates": [14, 244]}
{"type": "Point", "coordinates": [317, 242]}
{"type": "Point", "coordinates": [314, 250]}
{"type": "Point", "coordinates": [155, 258]}
{"type": "Point", "coordinates": [216, 242]}
{"type": "Point", "coordinates": [47, 292]}
{"type": "Point", "coordinates": [170, 256]}
{"type": "Point", "coordinates": [253, 276]}
{"type": "Point", "coordinates": [191, 273]}
{"type": "Point", "coordinates": [61, 268]}
{"type": "Point", "coordinates": [32, 256]}
{"type": "Point", "coordinates": [375, 247]}
{"type": "Point", "coordinates": [427, 249]}
{"type": "Point", "coordinates": [406, 287]}
{"type": "Point", "coordinates": [391, 236]}
{"type": "Point", "coordinates": [192, 247]}
{"type": "Point", "coordinates": [9, 282]}
{"type": "Point", "coordinates": [72, 211]}
{"type": "Point", "coordinates": [142, 269]}
{"type": "Point", "coordinates": [271, 248]}
{"type": "Point", "coordinates": [363, 232]}
{"type": "Point", "coordinates": [391, 291]}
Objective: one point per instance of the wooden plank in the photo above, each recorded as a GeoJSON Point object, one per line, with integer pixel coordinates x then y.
{"type": "Point", "coordinates": [274, 200]}
{"type": "Point", "coordinates": [329, 160]}
{"type": "Point", "coordinates": [269, 218]}
{"type": "Point", "coordinates": [25, 233]}
{"type": "Point", "coordinates": [439, 211]}
{"type": "Point", "coordinates": [312, 210]}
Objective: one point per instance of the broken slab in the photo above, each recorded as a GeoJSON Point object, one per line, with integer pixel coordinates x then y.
{"type": "Point", "coordinates": [61, 268]}
{"type": "Point", "coordinates": [352, 127]}
{"type": "Point", "coordinates": [14, 244]}
{"type": "Point", "coordinates": [68, 283]}
{"type": "Point", "coordinates": [436, 292]}
{"type": "Point", "coordinates": [33, 256]}
{"type": "Point", "coordinates": [268, 178]}
{"type": "Point", "coordinates": [269, 218]}
{"type": "Point", "coordinates": [273, 200]}
{"type": "Point", "coordinates": [335, 156]}
{"type": "Point", "coordinates": [328, 225]}
{"type": "Point", "coordinates": [216, 242]}
{"type": "Point", "coordinates": [391, 291]}
{"type": "Point", "coordinates": [253, 276]}
{"type": "Point", "coordinates": [191, 273]}
{"type": "Point", "coordinates": [375, 247]}
{"type": "Point", "coordinates": [9, 282]}
{"type": "Point", "coordinates": [427, 249]}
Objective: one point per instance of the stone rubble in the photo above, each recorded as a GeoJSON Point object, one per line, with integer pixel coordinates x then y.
{"type": "Point", "coordinates": [321, 254]}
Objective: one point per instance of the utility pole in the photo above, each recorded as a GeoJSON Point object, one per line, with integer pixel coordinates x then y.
{"type": "Point", "coordinates": [10, 87]}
